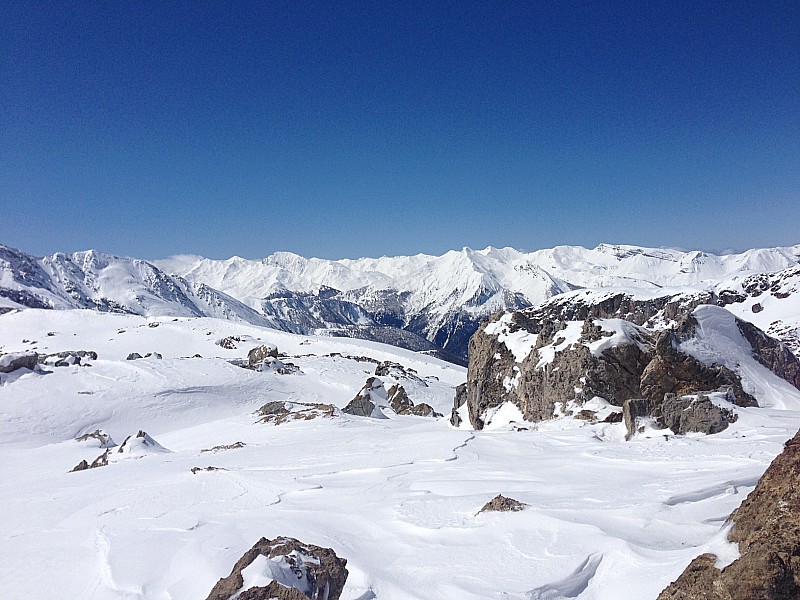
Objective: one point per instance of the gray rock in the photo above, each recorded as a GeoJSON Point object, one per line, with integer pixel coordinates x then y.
{"type": "Point", "coordinates": [229, 343]}
{"type": "Point", "coordinates": [633, 410]}
{"type": "Point", "coordinates": [259, 354]}
{"type": "Point", "coordinates": [308, 567]}
{"type": "Point", "coordinates": [694, 414]}
{"type": "Point", "coordinates": [134, 356]}
{"type": "Point", "coordinates": [18, 360]}
{"type": "Point", "coordinates": [458, 402]}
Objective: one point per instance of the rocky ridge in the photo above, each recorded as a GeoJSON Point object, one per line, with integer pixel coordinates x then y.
{"type": "Point", "coordinates": [767, 529]}
{"type": "Point", "coordinates": [545, 361]}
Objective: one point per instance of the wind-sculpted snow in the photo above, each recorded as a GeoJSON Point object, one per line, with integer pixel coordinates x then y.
{"type": "Point", "coordinates": [397, 497]}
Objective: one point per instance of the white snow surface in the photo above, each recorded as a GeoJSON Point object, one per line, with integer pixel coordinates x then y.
{"type": "Point", "coordinates": [396, 497]}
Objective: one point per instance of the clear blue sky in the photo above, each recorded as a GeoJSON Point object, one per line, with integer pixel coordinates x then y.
{"type": "Point", "coordinates": [377, 128]}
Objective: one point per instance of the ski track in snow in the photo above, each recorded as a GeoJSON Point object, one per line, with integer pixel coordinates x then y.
{"type": "Point", "coordinates": [398, 498]}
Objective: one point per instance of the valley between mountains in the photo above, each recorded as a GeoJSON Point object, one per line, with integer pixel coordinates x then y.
{"type": "Point", "coordinates": [158, 419]}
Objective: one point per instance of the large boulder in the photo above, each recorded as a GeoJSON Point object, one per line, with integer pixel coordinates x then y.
{"type": "Point", "coordinates": [294, 571]}
{"type": "Point", "coordinates": [18, 360]}
{"type": "Point", "coordinates": [694, 413]}
{"type": "Point", "coordinates": [767, 528]}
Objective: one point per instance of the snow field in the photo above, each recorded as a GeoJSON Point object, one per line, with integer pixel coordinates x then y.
{"type": "Point", "coordinates": [398, 497]}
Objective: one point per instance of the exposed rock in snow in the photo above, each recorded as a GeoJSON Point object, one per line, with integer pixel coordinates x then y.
{"type": "Point", "coordinates": [97, 438]}
{"type": "Point", "coordinates": [767, 529]}
{"type": "Point", "coordinates": [281, 412]}
{"type": "Point", "coordinates": [284, 569]}
{"type": "Point", "coordinates": [134, 356]}
{"type": "Point", "coordinates": [222, 447]}
{"type": "Point", "coordinates": [501, 503]}
{"type": "Point", "coordinates": [367, 401]}
{"type": "Point", "coordinates": [398, 371]}
{"type": "Point", "coordinates": [259, 354]}
{"type": "Point", "coordinates": [18, 360]}
{"type": "Point", "coordinates": [567, 363]}
{"type": "Point", "coordinates": [695, 413]}
{"type": "Point", "coordinates": [229, 343]}
{"type": "Point", "coordinates": [140, 445]}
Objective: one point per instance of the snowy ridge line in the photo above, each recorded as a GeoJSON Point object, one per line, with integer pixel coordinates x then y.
{"type": "Point", "coordinates": [425, 303]}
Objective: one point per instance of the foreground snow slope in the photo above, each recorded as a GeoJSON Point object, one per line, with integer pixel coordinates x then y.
{"type": "Point", "coordinates": [397, 497]}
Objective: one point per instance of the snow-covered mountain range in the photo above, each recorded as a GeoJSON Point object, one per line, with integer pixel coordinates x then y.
{"type": "Point", "coordinates": [148, 447]}
{"type": "Point", "coordinates": [422, 302]}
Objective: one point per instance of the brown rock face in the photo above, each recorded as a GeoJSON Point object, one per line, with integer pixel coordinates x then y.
{"type": "Point", "coordinates": [673, 372]}
{"type": "Point", "coordinates": [767, 528]}
{"type": "Point", "coordinates": [315, 569]}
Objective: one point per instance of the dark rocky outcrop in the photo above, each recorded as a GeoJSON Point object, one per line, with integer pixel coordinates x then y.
{"type": "Point", "coordinates": [388, 368]}
{"type": "Point", "coordinates": [674, 372]}
{"type": "Point", "coordinates": [279, 412]}
{"type": "Point", "coordinates": [398, 399]}
{"type": "Point", "coordinates": [767, 528]}
{"type": "Point", "coordinates": [308, 572]}
{"type": "Point", "coordinates": [771, 353]}
{"type": "Point", "coordinates": [633, 410]}
{"type": "Point", "coordinates": [639, 364]}
{"type": "Point", "coordinates": [501, 503]}
{"type": "Point", "coordinates": [458, 402]}
{"type": "Point", "coordinates": [366, 402]}
{"type": "Point", "coordinates": [687, 414]}
{"type": "Point", "coordinates": [229, 343]}
{"type": "Point", "coordinates": [134, 356]}
{"type": "Point", "coordinates": [67, 357]}
{"type": "Point", "coordinates": [18, 360]}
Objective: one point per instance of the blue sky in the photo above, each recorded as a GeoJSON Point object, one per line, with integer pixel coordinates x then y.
{"type": "Point", "coordinates": [380, 128]}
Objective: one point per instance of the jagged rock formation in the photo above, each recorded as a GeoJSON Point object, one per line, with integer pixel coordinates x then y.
{"type": "Point", "coordinates": [538, 363]}
{"type": "Point", "coordinates": [18, 360]}
{"type": "Point", "coordinates": [767, 528]}
{"type": "Point", "coordinates": [281, 412]}
{"type": "Point", "coordinates": [298, 571]}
